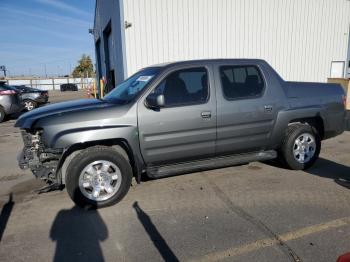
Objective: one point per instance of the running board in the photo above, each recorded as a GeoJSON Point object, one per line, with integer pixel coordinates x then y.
{"type": "Point", "coordinates": [210, 163]}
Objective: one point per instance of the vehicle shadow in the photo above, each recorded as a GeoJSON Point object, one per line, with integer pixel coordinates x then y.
{"type": "Point", "coordinates": [329, 169]}
{"type": "Point", "coordinates": [78, 233]}
{"type": "Point", "coordinates": [157, 239]}
{"type": "Point", "coordinates": [339, 173]}
{"type": "Point", "coordinates": [5, 215]}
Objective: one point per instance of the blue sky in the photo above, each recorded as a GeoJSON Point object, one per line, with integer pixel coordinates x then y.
{"type": "Point", "coordinates": [39, 33]}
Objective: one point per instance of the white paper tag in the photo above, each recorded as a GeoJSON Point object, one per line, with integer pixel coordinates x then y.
{"type": "Point", "coordinates": [144, 78]}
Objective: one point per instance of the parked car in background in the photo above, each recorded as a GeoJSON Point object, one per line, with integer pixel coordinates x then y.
{"type": "Point", "coordinates": [68, 87]}
{"type": "Point", "coordinates": [32, 97]}
{"type": "Point", "coordinates": [179, 118]}
{"type": "Point", "coordinates": [10, 102]}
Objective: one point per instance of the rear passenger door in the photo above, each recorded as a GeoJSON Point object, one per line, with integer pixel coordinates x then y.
{"type": "Point", "coordinates": [185, 128]}
{"type": "Point", "coordinates": [246, 109]}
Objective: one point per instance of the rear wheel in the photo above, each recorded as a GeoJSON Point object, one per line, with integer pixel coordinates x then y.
{"type": "Point", "coordinates": [2, 114]}
{"type": "Point", "coordinates": [29, 105]}
{"type": "Point", "coordinates": [98, 177]}
{"type": "Point", "coordinates": [301, 147]}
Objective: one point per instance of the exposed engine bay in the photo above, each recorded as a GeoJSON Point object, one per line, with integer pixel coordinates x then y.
{"type": "Point", "coordinates": [40, 160]}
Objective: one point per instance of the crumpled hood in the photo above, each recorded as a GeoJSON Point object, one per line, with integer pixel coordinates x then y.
{"type": "Point", "coordinates": [26, 120]}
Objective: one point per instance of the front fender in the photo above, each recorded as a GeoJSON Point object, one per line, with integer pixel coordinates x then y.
{"type": "Point", "coordinates": [66, 138]}
{"type": "Point", "coordinates": [73, 140]}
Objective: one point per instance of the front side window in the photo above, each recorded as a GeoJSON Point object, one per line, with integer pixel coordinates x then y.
{"type": "Point", "coordinates": [240, 82]}
{"type": "Point", "coordinates": [184, 87]}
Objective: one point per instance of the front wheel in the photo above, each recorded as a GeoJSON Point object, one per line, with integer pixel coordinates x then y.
{"type": "Point", "coordinates": [301, 147]}
{"type": "Point", "coordinates": [98, 177]}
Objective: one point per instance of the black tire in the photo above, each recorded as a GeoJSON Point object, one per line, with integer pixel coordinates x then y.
{"type": "Point", "coordinates": [29, 105]}
{"type": "Point", "coordinates": [88, 156]}
{"type": "Point", "coordinates": [292, 133]}
{"type": "Point", "coordinates": [2, 114]}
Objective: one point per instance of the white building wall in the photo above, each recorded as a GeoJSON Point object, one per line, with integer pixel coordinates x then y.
{"type": "Point", "coordinates": [299, 38]}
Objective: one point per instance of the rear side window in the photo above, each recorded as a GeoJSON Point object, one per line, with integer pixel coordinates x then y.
{"type": "Point", "coordinates": [239, 82]}
{"type": "Point", "coordinates": [184, 87]}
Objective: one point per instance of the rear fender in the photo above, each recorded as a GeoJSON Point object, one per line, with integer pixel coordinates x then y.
{"type": "Point", "coordinates": [286, 116]}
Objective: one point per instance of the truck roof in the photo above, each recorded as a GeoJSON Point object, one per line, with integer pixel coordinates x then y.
{"type": "Point", "coordinates": [206, 61]}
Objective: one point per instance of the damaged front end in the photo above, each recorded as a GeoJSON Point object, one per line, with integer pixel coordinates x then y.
{"type": "Point", "coordinates": [42, 161]}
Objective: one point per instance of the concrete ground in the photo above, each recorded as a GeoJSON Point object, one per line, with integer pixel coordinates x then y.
{"type": "Point", "coordinates": [255, 212]}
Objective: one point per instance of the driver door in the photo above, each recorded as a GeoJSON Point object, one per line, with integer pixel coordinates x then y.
{"type": "Point", "coordinates": [185, 128]}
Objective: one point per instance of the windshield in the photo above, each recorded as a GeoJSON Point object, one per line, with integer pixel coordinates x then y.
{"type": "Point", "coordinates": [132, 87]}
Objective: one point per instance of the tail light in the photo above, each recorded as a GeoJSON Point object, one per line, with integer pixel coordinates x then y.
{"type": "Point", "coordinates": [8, 92]}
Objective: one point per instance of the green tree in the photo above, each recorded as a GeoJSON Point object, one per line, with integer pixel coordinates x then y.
{"type": "Point", "coordinates": [85, 68]}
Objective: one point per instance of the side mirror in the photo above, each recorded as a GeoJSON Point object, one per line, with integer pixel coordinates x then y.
{"type": "Point", "coordinates": [155, 102]}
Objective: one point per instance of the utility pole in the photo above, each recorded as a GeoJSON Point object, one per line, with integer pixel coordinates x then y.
{"type": "Point", "coordinates": [58, 70]}
{"type": "Point", "coordinates": [45, 71]}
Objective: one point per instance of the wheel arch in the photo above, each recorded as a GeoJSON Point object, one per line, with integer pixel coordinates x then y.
{"type": "Point", "coordinates": [314, 116]}
{"type": "Point", "coordinates": [119, 144]}
{"type": "Point", "coordinates": [316, 122]}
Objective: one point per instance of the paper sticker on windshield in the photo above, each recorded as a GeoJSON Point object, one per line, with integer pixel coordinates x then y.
{"type": "Point", "coordinates": [144, 78]}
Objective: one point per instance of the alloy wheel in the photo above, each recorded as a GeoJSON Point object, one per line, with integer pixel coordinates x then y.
{"type": "Point", "coordinates": [100, 180]}
{"type": "Point", "coordinates": [304, 148]}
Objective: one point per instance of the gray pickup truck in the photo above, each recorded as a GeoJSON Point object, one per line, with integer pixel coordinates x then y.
{"type": "Point", "coordinates": [178, 118]}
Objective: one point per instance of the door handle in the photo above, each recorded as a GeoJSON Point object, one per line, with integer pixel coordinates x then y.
{"type": "Point", "coordinates": [206, 114]}
{"type": "Point", "coordinates": [268, 108]}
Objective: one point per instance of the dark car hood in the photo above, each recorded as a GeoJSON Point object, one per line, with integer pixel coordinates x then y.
{"type": "Point", "coordinates": [26, 120]}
